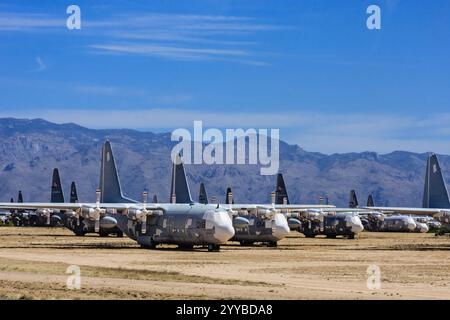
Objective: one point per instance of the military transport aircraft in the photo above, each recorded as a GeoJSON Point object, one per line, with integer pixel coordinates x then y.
{"type": "Point", "coordinates": [251, 227]}
{"type": "Point", "coordinates": [330, 222]}
{"type": "Point", "coordinates": [178, 222]}
{"type": "Point", "coordinates": [435, 197]}
{"type": "Point", "coordinates": [379, 222]}
{"type": "Point", "coordinates": [79, 226]}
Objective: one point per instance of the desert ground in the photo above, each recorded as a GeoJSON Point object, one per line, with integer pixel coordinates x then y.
{"type": "Point", "coordinates": [34, 261]}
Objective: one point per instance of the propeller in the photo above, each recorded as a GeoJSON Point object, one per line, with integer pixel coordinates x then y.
{"type": "Point", "coordinates": [144, 212]}
{"type": "Point", "coordinates": [46, 213]}
{"type": "Point", "coordinates": [97, 210]}
{"type": "Point", "coordinates": [230, 210]}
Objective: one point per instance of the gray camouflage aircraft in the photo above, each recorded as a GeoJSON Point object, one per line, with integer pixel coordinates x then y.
{"type": "Point", "coordinates": [253, 228]}
{"type": "Point", "coordinates": [79, 226]}
{"type": "Point", "coordinates": [376, 221]}
{"type": "Point", "coordinates": [331, 222]}
{"type": "Point", "coordinates": [435, 197]}
{"type": "Point", "coordinates": [181, 222]}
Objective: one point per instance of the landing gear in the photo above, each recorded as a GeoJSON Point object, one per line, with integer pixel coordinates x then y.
{"type": "Point", "coordinates": [119, 234]}
{"type": "Point", "coordinates": [331, 236]}
{"type": "Point", "coordinates": [352, 236]}
{"type": "Point", "coordinates": [103, 234]}
{"type": "Point", "coordinates": [213, 247]}
{"type": "Point", "coordinates": [246, 243]}
{"type": "Point", "coordinates": [148, 245]}
{"type": "Point", "coordinates": [185, 246]}
{"type": "Point", "coordinates": [79, 233]}
{"type": "Point", "coordinates": [272, 244]}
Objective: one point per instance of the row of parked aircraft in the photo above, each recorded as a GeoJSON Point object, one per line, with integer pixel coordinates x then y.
{"type": "Point", "coordinates": [188, 223]}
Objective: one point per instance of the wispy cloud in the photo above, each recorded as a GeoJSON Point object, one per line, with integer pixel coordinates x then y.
{"type": "Point", "coordinates": [41, 66]}
{"type": "Point", "coordinates": [29, 22]}
{"type": "Point", "coordinates": [169, 36]}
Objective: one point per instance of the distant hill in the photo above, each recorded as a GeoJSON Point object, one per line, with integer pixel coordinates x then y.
{"type": "Point", "coordinates": [30, 149]}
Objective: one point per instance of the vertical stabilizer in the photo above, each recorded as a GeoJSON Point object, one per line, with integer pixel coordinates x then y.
{"type": "Point", "coordinates": [73, 193]}
{"type": "Point", "coordinates": [111, 191]}
{"type": "Point", "coordinates": [202, 196]}
{"type": "Point", "coordinates": [353, 202]}
{"type": "Point", "coordinates": [155, 198]}
{"type": "Point", "coordinates": [281, 196]}
{"type": "Point", "coordinates": [57, 195]}
{"type": "Point", "coordinates": [435, 193]}
{"type": "Point", "coordinates": [20, 197]}
{"type": "Point", "coordinates": [229, 196]}
{"type": "Point", "coordinates": [370, 202]}
{"type": "Point", "coordinates": [179, 186]}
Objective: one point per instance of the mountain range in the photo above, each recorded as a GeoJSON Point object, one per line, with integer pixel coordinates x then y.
{"type": "Point", "coordinates": [30, 149]}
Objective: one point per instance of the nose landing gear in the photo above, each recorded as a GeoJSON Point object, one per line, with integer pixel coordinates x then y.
{"type": "Point", "coordinates": [213, 247]}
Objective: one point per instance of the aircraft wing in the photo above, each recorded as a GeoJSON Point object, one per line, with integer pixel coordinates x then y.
{"type": "Point", "coordinates": [71, 206]}
{"type": "Point", "coordinates": [411, 211]}
{"type": "Point", "coordinates": [293, 207]}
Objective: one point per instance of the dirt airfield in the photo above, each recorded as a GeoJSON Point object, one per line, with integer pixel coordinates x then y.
{"type": "Point", "coordinates": [34, 261]}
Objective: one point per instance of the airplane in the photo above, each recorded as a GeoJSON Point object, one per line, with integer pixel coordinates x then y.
{"type": "Point", "coordinates": [331, 222]}
{"type": "Point", "coordinates": [251, 227]}
{"type": "Point", "coordinates": [181, 222]}
{"type": "Point", "coordinates": [77, 225]}
{"type": "Point", "coordinates": [435, 198]}
{"type": "Point", "coordinates": [376, 221]}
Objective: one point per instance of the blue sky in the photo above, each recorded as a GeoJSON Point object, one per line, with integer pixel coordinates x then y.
{"type": "Point", "coordinates": [310, 68]}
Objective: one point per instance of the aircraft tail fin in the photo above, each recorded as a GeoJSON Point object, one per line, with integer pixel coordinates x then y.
{"type": "Point", "coordinates": [353, 203]}
{"type": "Point", "coordinates": [435, 193]}
{"type": "Point", "coordinates": [73, 193]}
{"type": "Point", "coordinates": [111, 191]}
{"type": "Point", "coordinates": [179, 190]}
{"type": "Point", "coordinates": [20, 197]}
{"type": "Point", "coordinates": [229, 196]}
{"type": "Point", "coordinates": [155, 198]}
{"type": "Point", "coordinates": [281, 195]}
{"type": "Point", "coordinates": [370, 202]}
{"type": "Point", "coordinates": [57, 195]}
{"type": "Point", "coordinates": [203, 197]}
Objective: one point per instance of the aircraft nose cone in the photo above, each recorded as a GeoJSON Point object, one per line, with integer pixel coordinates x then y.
{"type": "Point", "coordinates": [357, 227]}
{"type": "Point", "coordinates": [223, 233]}
{"type": "Point", "coordinates": [281, 228]}
{"type": "Point", "coordinates": [223, 228]}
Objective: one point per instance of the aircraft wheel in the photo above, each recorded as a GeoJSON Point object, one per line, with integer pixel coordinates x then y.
{"type": "Point", "coordinates": [331, 236]}
{"type": "Point", "coordinates": [120, 234]}
{"type": "Point", "coordinates": [213, 247]}
{"type": "Point", "coordinates": [185, 246]}
{"type": "Point", "coordinates": [272, 244]}
{"type": "Point", "coordinates": [246, 243]}
{"type": "Point", "coordinates": [103, 234]}
{"type": "Point", "coordinates": [151, 245]}
{"type": "Point", "coordinates": [352, 236]}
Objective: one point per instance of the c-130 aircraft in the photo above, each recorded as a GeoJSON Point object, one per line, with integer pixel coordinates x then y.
{"type": "Point", "coordinates": [178, 222]}
{"type": "Point", "coordinates": [436, 201]}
